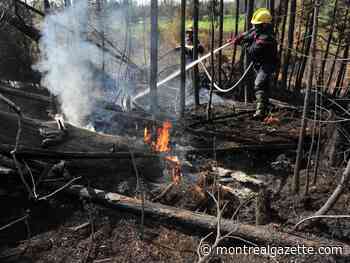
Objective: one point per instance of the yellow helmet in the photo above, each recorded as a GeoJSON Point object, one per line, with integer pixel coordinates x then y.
{"type": "Point", "coordinates": [261, 16]}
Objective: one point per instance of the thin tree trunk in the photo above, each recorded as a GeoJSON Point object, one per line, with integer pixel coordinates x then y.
{"type": "Point", "coordinates": [329, 40]}
{"type": "Point", "coordinates": [282, 38]}
{"type": "Point", "coordinates": [212, 33]}
{"type": "Point", "coordinates": [306, 50]}
{"type": "Point", "coordinates": [293, 7]}
{"type": "Point", "coordinates": [271, 6]}
{"type": "Point", "coordinates": [294, 66]}
{"type": "Point", "coordinates": [221, 35]}
{"type": "Point", "coordinates": [183, 60]}
{"type": "Point", "coordinates": [331, 72]}
{"type": "Point", "coordinates": [342, 70]}
{"type": "Point", "coordinates": [195, 52]}
{"type": "Point", "coordinates": [236, 33]}
{"type": "Point", "coordinates": [154, 57]}
{"type": "Point", "coordinates": [296, 177]}
{"type": "Point", "coordinates": [249, 83]}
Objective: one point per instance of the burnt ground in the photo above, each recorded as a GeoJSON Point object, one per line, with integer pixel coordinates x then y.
{"type": "Point", "coordinates": [67, 229]}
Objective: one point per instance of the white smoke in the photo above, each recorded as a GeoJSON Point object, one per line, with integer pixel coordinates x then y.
{"type": "Point", "coordinates": [71, 64]}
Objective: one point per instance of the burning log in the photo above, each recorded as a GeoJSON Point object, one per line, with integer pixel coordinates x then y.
{"type": "Point", "coordinates": [87, 150]}
{"type": "Point", "coordinates": [170, 215]}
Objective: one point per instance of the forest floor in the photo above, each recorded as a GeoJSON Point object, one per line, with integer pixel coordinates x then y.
{"type": "Point", "coordinates": [67, 229]}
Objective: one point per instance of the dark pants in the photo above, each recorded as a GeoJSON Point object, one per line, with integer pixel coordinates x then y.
{"type": "Point", "coordinates": [262, 85]}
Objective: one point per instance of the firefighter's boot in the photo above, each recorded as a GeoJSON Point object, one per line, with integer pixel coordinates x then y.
{"type": "Point", "coordinates": [261, 106]}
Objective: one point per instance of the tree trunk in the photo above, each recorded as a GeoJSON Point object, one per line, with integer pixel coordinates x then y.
{"type": "Point", "coordinates": [184, 218]}
{"type": "Point", "coordinates": [154, 57]}
{"type": "Point", "coordinates": [306, 50]}
{"type": "Point", "coordinates": [183, 60]}
{"type": "Point", "coordinates": [329, 40]}
{"type": "Point", "coordinates": [342, 70]}
{"type": "Point", "coordinates": [195, 52]}
{"type": "Point", "coordinates": [341, 36]}
{"type": "Point", "coordinates": [248, 93]}
{"type": "Point", "coordinates": [285, 15]}
{"type": "Point", "coordinates": [293, 7]}
{"type": "Point", "coordinates": [296, 184]}
{"type": "Point", "coordinates": [221, 36]}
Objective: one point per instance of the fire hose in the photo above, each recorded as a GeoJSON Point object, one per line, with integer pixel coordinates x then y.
{"type": "Point", "coordinates": [178, 72]}
{"type": "Point", "coordinates": [235, 85]}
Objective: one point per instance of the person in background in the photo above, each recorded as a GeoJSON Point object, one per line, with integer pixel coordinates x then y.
{"type": "Point", "coordinates": [189, 44]}
{"type": "Point", "coordinates": [261, 47]}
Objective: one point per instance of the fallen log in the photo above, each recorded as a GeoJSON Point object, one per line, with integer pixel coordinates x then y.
{"type": "Point", "coordinates": [260, 235]}
{"type": "Point", "coordinates": [34, 153]}
{"type": "Point", "coordinates": [247, 147]}
{"type": "Point", "coordinates": [24, 94]}
{"type": "Point", "coordinates": [88, 151]}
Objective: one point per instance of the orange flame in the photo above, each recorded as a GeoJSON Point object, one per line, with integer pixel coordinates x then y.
{"type": "Point", "coordinates": [161, 144]}
{"type": "Point", "coordinates": [163, 137]}
{"type": "Point", "coordinates": [147, 136]}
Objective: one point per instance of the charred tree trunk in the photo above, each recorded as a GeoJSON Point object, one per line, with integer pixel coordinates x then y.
{"type": "Point", "coordinates": [342, 70]}
{"type": "Point", "coordinates": [236, 32]}
{"type": "Point", "coordinates": [306, 50]}
{"type": "Point", "coordinates": [212, 66]}
{"type": "Point", "coordinates": [154, 57]}
{"type": "Point", "coordinates": [183, 60]}
{"type": "Point", "coordinates": [328, 45]}
{"type": "Point", "coordinates": [271, 6]}
{"type": "Point", "coordinates": [248, 93]}
{"type": "Point", "coordinates": [196, 86]}
{"type": "Point", "coordinates": [341, 36]}
{"type": "Point", "coordinates": [293, 7]}
{"type": "Point", "coordinates": [294, 66]}
{"type": "Point", "coordinates": [296, 184]}
{"type": "Point", "coordinates": [285, 15]}
{"type": "Point", "coordinates": [221, 36]}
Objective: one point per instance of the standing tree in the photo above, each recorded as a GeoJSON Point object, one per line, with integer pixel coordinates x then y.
{"type": "Point", "coordinates": [296, 177]}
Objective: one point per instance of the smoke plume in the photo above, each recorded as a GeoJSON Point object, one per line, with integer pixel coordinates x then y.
{"type": "Point", "coordinates": [74, 68]}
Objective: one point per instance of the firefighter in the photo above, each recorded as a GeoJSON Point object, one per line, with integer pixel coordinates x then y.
{"type": "Point", "coordinates": [189, 44]}
{"type": "Point", "coordinates": [261, 47]}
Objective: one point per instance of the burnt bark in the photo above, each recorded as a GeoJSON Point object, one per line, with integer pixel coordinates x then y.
{"type": "Point", "coordinates": [293, 6]}
{"type": "Point", "coordinates": [184, 218]}
{"type": "Point", "coordinates": [195, 52]}
{"type": "Point", "coordinates": [296, 185]}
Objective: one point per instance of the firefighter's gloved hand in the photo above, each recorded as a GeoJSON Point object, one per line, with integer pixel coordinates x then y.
{"type": "Point", "coordinates": [235, 40]}
{"type": "Point", "coordinates": [230, 40]}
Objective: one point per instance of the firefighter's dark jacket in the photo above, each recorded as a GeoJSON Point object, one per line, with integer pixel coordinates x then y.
{"type": "Point", "coordinates": [261, 45]}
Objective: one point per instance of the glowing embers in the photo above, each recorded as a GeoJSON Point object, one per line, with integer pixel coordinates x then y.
{"type": "Point", "coordinates": [160, 142]}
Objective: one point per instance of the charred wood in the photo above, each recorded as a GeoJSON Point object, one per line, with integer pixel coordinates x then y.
{"type": "Point", "coordinates": [35, 153]}
{"type": "Point", "coordinates": [188, 219]}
